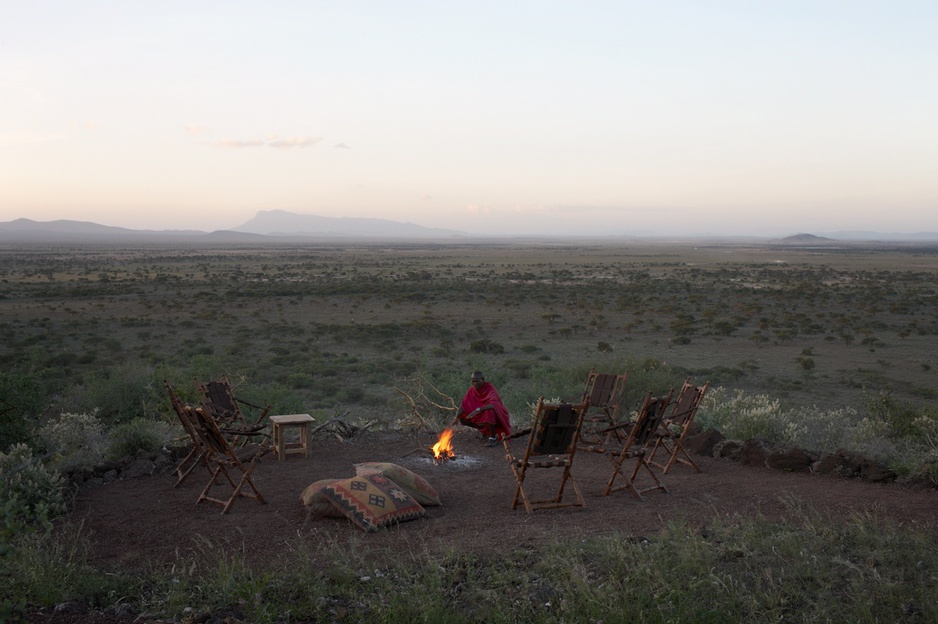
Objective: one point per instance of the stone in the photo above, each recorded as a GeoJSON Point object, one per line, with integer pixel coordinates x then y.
{"type": "Point", "coordinates": [790, 459]}
{"type": "Point", "coordinates": [875, 472]}
{"type": "Point", "coordinates": [138, 468]}
{"type": "Point", "coordinates": [728, 449]}
{"type": "Point", "coordinates": [703, 443]}
{"type": "Point", "coordinates": [755, 452]}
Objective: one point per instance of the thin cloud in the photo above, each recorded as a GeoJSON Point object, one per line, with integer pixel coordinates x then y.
{"type": "Point", "coordinates": [273, 142]}
{"type": "Point", "coordinates": [477, 209]}
{"type": "Point", "coordinates": [196, 129]}
{"type": "Point", "coordinates": [292, 142]}
{"type": "Point", "coordinates": [342, 146]}
{"type": "Point", "coordinates": [231, 144]}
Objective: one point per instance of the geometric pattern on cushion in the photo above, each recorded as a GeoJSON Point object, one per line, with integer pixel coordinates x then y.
{"type": "Point", "coordinates": [415, 485]}
{"type": "Point", "coordinates": [316, 503]}
{"type": "Point", "coordinates": [373, 501]}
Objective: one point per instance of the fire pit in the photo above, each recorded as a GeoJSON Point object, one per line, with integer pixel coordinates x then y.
{"type": "Point", "coordinates": [442, 451]}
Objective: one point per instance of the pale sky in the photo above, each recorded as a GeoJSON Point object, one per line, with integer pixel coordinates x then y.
{"type": "Point", "coordinates": [511, 117]}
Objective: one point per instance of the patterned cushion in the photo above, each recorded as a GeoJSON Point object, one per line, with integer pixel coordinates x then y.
{"type": "Point", "coordinates": [373, 501]}
{"type": "Point", "coordinates": [415, 485]}
{"type": "Point", "coordinates": [316, 503]}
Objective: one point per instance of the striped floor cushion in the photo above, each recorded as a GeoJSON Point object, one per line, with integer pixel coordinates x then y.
{"type": "Point", "coordinates": [415, 485]}
{"type": "Point", "coordinates": [373, 501]}
{"type": "Point", "coordinates": [316, 502]}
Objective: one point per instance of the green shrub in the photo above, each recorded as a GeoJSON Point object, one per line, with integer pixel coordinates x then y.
{"type": "Point", "coordinates": [486, 345]}
{"type": "Point", "coordinates": [119, 394]}
{"type": "Point", "coordinates": [140, 434]}
{"type": "Point", "coordinates": [22, 400]}
{"type": "Point", "coordinates": [741, 416]}
{"type": "Point", "coordinates": [74, 441]}
{"type": "Point", "coordinates": [37, 493]}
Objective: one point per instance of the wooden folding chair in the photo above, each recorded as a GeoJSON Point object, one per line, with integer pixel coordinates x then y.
{"type": "Point", "coordinates": [552, 443]}
{"type": "Point", "coordinates": [674, 428]}
{"type": "Point", "coordinates": [640, 432]}
{"type": "Point", "coordinates": [196, 454]}
{"type": "Point", "coordinates": [226, 407]}
{"type": "Point", "coordinates": [227, 459]}
{"type": "Point", "coordinates": [603, 395]}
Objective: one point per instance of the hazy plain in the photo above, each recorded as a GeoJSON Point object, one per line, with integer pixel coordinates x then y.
{"type": "Point", "coordinates": [342, 325]}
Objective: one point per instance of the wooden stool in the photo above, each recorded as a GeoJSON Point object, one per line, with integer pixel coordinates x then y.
{"type": "Point", "coordinates": [301, 422]}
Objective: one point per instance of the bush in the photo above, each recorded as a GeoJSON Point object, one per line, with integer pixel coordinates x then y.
{"type": "Point", "coordinates": [119, 395]}
{"type": "Point", "coordinates": [741, 416]}
{"type": "Point", "coordinates": [486, 345]}
{"type": "Point", "coordinates": [74, 441]}
{"type": "Point", "coordinates": [22, 400]}
{"type": "Point", "coordinates": [140, 434]}
{"type": "Point", "coordinates": [29, 491]}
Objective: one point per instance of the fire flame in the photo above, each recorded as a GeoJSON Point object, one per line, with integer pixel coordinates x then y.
{"type": "Point", "coordinates": [443, 449]}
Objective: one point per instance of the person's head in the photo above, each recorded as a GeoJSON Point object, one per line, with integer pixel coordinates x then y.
{"type": "Point", "coordinates": [477, 379]}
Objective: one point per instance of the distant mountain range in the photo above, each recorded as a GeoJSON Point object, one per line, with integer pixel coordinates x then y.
{"type": "Point", "coordinates": [280, 225]}
{"type": "Point", "coordinates": [283, 223]}
{"type": "Point", "coordinates": [266, 225]}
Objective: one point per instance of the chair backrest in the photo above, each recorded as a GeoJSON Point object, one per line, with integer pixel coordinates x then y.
{"type": "Point", "coordinates": [181, 412]}
{"type": "Point", "coordinates": [604, 390]}
{"type": "Point", "coordinates": [688, 401]}
{"type": "Point", "coordinates": [209, 432]}
{"type": "Point", "coordinates": [221, 398]}
{"type": "Point", "coordinates": [649, 418]}
{"type": "Point", "coordinates": [556, 428]}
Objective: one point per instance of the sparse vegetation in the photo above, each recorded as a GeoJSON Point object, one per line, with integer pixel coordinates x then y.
{"type": "Point", "coordinates": [823, 349]}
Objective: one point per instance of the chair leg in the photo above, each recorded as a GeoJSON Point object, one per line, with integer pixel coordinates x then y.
{"type": "Point", "coordinates": [181, 472]}
{"type": "Point", "coordinates": [658, 484]}
{"type": "Point", "coordinates": [617, 471]}
{"type": "Point", "coordinates": [245, 480]}
{"type": "Point", "coordinates": [687, 460]}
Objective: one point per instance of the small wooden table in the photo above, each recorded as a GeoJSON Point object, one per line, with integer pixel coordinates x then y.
{"type": "Point", "coordinates": [282, 422]}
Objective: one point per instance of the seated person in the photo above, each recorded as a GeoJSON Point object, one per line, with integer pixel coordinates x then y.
{"type": "Point", "coordinates": [482, 409]}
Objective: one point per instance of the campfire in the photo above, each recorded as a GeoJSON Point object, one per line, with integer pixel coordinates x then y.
{"type": "Point", "coordinates": [443, 449]}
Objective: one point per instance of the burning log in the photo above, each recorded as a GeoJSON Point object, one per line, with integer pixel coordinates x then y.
{"type": "Point", "coordinates": [442, 451]}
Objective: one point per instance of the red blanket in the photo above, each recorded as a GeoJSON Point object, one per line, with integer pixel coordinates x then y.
{"type": "Point", "coordinates": [493, 422]}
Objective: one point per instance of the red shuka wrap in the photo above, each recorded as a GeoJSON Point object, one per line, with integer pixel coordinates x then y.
{"type": "Point", "coordinates": [493, 422]}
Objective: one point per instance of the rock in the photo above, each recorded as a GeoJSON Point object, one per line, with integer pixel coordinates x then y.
{"type": "Point", "coordinates": [840, 463]}
{"type": "Point", "coordinates": [755, 452]}
{"type": "Point", "coordinates": [71, 608]}
{"type": "Point", "coordinates": [110, 475]}
{"type": "Point", "coordinates": [790, 459]}
{"type": "Point", "coordinates": [875, 472]}
{"type": "Point", "coordinates": [844, 463]}
{"type": "Point", "coordinates": [164, 462]}
{"type": "Point", "coordinates": [105, 467]}
{"type": "Point", "coordinates": [728, 449]}
{"type": "Point", "coordinates": [138, 468]}
{"type": "Point", "coordinates": [703, 443]}
{"type": "Point", "coordinates": [122, 610]}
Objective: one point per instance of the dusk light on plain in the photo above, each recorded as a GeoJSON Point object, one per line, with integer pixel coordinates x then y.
{"type": "Point", "coordinates": [521, 118]}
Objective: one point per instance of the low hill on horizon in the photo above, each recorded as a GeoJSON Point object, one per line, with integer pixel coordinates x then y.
{"type": "Point", "coordinates": [283, 226]}
{"type": "Point", "coordinates": [283, 223]}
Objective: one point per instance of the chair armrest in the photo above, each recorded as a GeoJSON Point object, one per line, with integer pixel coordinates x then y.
{"type": "Point", "coordinates": [518, 434]}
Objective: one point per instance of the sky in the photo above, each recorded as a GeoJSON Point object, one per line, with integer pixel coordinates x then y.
{"type": "Point", "coordinates": [754, 117]}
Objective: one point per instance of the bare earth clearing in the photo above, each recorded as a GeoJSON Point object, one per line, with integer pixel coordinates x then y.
{"type": "Point", "coordinates": [146, 523]}
{"type": "Point", "coordinates": [143, 521]}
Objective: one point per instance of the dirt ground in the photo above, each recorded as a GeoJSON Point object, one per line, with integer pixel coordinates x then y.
{"type": "Point", "coordinates": [138, 522]}
{"type": "Point", "coordinates": [142, 522]}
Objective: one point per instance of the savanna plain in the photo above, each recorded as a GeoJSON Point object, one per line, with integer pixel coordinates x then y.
{"type": "Point", "coordinates": [826, 346]}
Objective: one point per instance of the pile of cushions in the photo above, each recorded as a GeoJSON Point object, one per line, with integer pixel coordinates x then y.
{"type": "Point", "coordinates": [380, 494]}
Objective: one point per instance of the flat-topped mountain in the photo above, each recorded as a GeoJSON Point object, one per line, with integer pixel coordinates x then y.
{"type": "Point", "coordinates": [283, 223]}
